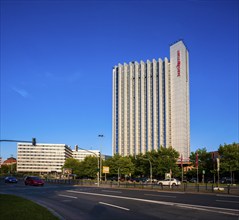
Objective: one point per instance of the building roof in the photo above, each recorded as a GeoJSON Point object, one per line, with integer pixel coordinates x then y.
{"type": "Point", "coordinates": [9, 161]}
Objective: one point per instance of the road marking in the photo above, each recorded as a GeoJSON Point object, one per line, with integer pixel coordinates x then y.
{"type": "Point", "coordinates": [205, 208]}
{"type": "Point", "coordinates": [160, 195]}
{"type": "Point", "coordinates": [72, 197]}
{"type": "Point", "coordinates": [111, 191]}
{"type": "Point", "coordinates": [226, 201]}
{"type": "Point", "coordinates": [115, 206]}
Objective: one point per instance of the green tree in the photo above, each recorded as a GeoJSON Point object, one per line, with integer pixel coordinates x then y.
{"type": "Point", "coordinates": [205, 162]}
{"type": "Point", "coordinates": [167, 158]}
{"type": "Point", "coordinates": [88, 167]}
{"type": "Point", "coordinates": [229, 159]}
{"type": "Point", "coordinates": [141, 165]}
{"type": "Point", "coordinates": [162, 160]}
{"type": "Point", "coordinates": [73, 164]}
{"type": "Point", "coordinates": [113, 164]}
{"type": "Point", "coordinates": [7, 169]}
{"type": "Point", "coordinates": [124, 165]}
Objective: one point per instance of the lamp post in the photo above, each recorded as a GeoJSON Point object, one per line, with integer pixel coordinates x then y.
{"type": "Point", "coordinates": [100, 136]}
{"type": "Point", "coordinates": [118, 174]}
{"type": "Point", "coordinates": [150, 168]}
{"type": "Point", "coordinates": [98, 165]}
{"type": "Point", "coordinates": [218, 169]}
{"type": "Point", "coordinates": [170, 168]}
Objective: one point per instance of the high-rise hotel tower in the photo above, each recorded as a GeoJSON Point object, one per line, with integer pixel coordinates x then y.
{"type": "Point", "coordinates": [151, 104]}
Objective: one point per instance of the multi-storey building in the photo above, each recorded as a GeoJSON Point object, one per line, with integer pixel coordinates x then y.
{"type": "Point", "coordinates": [80, 154]}
{"type": "Point", "coordinates": [42, 158]}
{"type": "Point", "coordinates": [151, 104]}
{"type": "Point", "coordinates": [49, 158]}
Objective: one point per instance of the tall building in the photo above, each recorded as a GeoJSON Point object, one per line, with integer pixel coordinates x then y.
{"type": "Point", "coordinates": [42, 158]}
{"type": "Point", "coordinates": [151, 104]}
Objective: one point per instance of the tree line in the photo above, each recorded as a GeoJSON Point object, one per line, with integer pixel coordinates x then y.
{"type": "Point", "coordinates": [163, 161]}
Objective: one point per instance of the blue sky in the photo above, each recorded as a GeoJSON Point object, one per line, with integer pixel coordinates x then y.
{"type": "Point", "coordinates": [57, 59]}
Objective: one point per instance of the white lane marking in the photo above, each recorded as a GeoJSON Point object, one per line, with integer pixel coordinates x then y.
{"type": "Point", "coordinates": [111, 191]}
{"type": "Point", "coordinates": [115, 206]}
{"type": "Point", "coordinates": [227, 201]}
{"type": "Point", "coordinates": [72, 197]}
{"type": "Point", "coordinates": [160, 195]}
{"type": "Point", "coordinates": [206, 208]}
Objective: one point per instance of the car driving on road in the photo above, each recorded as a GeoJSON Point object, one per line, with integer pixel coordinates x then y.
{"type": "Point", "coordinates": [11, 179]}
{"type": "Point", "coordinates": [34, 181]}
{"type": "Point", "coordinates": [168, 182]}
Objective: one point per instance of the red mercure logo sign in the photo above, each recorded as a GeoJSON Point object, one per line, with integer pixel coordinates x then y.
{"type": "Point", "coordinates": [178, 63]}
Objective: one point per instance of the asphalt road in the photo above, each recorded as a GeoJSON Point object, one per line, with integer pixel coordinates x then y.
{"type": "Point", "coordinates": [77, 202]}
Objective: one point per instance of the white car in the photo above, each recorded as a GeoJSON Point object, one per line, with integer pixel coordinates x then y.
{"type": "Point", "coordinates": [168, 182]}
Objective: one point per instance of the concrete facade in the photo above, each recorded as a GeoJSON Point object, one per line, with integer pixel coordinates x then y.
{"type": "Point", "coordinates": [42, 158]}
{"type": "Point", "coordinates": [151, 104]}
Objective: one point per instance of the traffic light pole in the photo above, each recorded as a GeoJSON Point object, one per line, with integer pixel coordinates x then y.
{"type": "Point", "coordinates": [33, 141]}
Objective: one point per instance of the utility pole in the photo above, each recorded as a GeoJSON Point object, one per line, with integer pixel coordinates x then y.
{"type": "Point", "coordinates": [150, 164]}
{"type": "Point", "coordinates": [218, 168]}
{"type": "Point", "coordinates": [100, 136]}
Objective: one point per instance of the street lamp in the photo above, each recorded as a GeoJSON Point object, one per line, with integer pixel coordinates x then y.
{"type": "Point", "coordinates": [118, 174]}
{"type": "Point", "coordinates": [170, 170]}
{"type": "Point", "coordinates": [98, 169]}
{"type": "Point", "coordinates": [150, 168]}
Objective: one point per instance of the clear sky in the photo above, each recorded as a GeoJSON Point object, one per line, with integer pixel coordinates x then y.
{"type": "Point", "coordinates": [57, 59]}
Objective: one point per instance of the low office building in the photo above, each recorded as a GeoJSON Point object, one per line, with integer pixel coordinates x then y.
{"type": "Point", "coordinates": [81, 154]}
{"type": "Point", "coordinates": [42, 158]}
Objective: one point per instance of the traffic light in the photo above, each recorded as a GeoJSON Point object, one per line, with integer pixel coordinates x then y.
{"type": "Point", "coordinates": [34, 141]}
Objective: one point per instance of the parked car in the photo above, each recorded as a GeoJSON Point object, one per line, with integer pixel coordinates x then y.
{"type": "Point", "coordinates": [153, 181]}
{"type": "Point", "coordinates": [168, 182]}
{"type": "Point", "coordinates": [11, 179]}
{"type": "Point", "coordinates": [193, 180]}
{"type": "Point", "coordinates": [34, 181]}
{"type": "Point", "coordinates": [226, 180]}
{"type": "Point", "coordinates": [209, 180]}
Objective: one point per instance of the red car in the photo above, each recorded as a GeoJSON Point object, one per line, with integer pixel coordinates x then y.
{"type": "Point", "coordinates": [34, 181]}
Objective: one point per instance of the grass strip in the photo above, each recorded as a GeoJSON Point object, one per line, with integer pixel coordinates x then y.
{"type": "Point", "coordinates": [14, 207]}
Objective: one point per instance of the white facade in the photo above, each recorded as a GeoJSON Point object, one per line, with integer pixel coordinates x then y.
{"type": "Point", "coordinates": [180, 106]}
{"type": "Point", "coordinates": [151, 104]}
{"type": "Point", "coordinates": [82, 154]}
{"type": "Point", "coordinates": [44, 158]}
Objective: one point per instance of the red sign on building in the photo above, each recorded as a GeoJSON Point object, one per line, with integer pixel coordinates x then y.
{"type": "Point", "coordinates": [178, 63]}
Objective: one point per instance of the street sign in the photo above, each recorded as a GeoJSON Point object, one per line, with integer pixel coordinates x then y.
{"type": "Point", "coordinates": [106, 169]}
{"type": "Point", "coordinates": [218, 164]}
{"type": "Point", "coordinates": [167, 175]}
